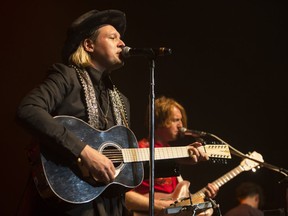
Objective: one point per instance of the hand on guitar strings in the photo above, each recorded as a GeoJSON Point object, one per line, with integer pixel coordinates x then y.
{"type": "Point", "coordinates": [99, 167]}
{"type": "Point", "coordinates": [195, 154]}
{"type": "Point", "coordinates": [211, 190]}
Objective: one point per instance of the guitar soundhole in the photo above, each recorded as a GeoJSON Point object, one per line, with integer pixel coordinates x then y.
{"type": "Point", "coordinates": [114, 153]}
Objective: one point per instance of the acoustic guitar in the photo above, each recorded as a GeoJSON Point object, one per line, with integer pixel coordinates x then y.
{"type": "Point", "coordinates": [67, 181]}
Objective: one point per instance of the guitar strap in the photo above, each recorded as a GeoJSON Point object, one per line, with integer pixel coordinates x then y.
{"type": "Point", "coordinates": [118, 106]}
{"type": "Point", "coordinates": [180, 178]}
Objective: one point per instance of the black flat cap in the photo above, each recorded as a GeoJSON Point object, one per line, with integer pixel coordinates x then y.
{"type": "Point", "coordinates": [84, 25]}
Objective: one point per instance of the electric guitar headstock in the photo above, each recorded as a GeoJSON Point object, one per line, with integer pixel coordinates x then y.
{"type": "Point", "coordinates": [248, 164]}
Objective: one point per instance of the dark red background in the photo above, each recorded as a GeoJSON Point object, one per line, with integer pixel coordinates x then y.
{"type": "Point", "coordinates": [227, 68]}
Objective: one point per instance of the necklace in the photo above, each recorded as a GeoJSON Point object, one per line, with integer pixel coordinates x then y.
{"type": "Point", "coordinates": [105, 115]}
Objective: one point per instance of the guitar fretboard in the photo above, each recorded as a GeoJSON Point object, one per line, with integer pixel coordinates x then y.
{"type": "Point", "coordinates": [143, 154]}
{"type": "Point", "coordinates": [220, 181]}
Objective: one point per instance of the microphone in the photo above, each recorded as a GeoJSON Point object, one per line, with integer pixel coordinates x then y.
{"type": "Point", "coordinates": [149, 52]}
{"type": "Point", "coordinates": [193, 133]}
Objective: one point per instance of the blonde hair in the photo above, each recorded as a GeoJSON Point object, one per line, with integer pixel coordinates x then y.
{"type": "Point", "coordinates": [81, 57]}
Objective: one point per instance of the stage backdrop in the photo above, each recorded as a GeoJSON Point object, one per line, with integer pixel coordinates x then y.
{"type": "Point", "coordinates": [228, 68]}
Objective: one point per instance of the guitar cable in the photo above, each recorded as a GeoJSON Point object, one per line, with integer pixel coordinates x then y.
{"type": "Point", "coordinates": [215, 206]}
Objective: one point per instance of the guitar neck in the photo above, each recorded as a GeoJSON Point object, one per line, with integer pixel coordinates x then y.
{"type": "Point", "coordinates": [219, 182]}
{"type": "Point", "coordinates": [245, 165]}
{"type": "Point", "coordinates": [143, 154]}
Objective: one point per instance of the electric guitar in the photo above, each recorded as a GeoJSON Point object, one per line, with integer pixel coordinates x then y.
{"type": "Point", "coordinates": [180, 193]}
{"type": "Point", "coordinates": [184, 201]}
{"type": "Point", "coordinates": [67, 180]}
{"type": "Point", "coordinates": [245, 165]}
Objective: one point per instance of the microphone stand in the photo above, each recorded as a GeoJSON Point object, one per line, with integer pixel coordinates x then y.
{"type": "Point", "coordinates": [263, 164]}
{"type": "Point", "coordinates": [151, 135]}
{"type": "Point", "coordinates": [199, 134]}
{"type": "Point", "coordinates": [152, 54]}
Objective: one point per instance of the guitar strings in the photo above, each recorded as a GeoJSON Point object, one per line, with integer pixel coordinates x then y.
{"type": "Point", "coordinates": [115, 155]}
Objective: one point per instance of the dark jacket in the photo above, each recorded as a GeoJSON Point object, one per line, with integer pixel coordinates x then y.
{"type": "Point", "coordinates": [61, 93]}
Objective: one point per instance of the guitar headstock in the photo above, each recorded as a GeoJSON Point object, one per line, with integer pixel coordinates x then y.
{"type": "Point", "coordinates": [248, 164]}
{"type": "Point", "coordinates": [217, 151]}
